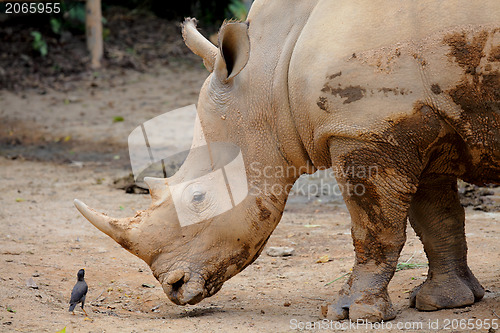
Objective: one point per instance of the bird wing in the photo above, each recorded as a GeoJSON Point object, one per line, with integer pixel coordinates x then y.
{"type": "Point", "coordinates": [79, 291]}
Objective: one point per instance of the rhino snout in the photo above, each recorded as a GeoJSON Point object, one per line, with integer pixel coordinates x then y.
{"type": "Point", "coordinates": [181, 288]}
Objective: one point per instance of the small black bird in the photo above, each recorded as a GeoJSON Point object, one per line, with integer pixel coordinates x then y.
{"type": "Point", "coordinates": [79, 292]}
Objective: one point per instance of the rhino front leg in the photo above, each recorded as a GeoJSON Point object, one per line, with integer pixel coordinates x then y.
{"type": "Point", "coordinates": [438, 218]}
{"type": "Point", "coordinates": [377, 192]}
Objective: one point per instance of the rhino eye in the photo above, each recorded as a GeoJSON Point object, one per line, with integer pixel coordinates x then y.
{"type": "Point", "coordinates": [198, 197]}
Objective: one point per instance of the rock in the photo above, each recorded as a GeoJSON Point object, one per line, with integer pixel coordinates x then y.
{"type": "Point", "coordinates": [31, 283]}
{"type": "Point", "coordinates": [323, 259]}
{"type": "Point", "coordinates": [280, 251]}
{"type": "Point", "coordinates": [479, 198]}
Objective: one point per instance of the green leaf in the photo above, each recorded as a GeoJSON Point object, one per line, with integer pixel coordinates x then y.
{"type": "Point", "coordinates": [238, 9]}
{"type": "Point", "coordinates": [10, 309]}
{"type": "Point", "coordinates": [44, 49]}
{"type": "Point", "coordinates": [77, 13]}
{"type": "Point", "coordinates": [55, 25]}
{"type": "Point", "coordinates": [117, 119]}
{"type": "Point", "coordinates": [403, 265]}
{"type": "Point", "coordinates": [36, 35]}
{"type": "Point", "coordinates": [75, 17]}
{"type": "Point", "coordinates": [39, 43]}
{"type": "Point", "coordinates": [340, 277]}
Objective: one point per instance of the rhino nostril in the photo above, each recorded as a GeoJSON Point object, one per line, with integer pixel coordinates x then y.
{"type": "Point", "coordinates": [177, 285]}
{"type": "Point", "coordinates": [175, 277]}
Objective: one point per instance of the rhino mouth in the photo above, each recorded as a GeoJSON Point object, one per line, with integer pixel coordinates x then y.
{"type": "Point", "coordinates": [186, 287]}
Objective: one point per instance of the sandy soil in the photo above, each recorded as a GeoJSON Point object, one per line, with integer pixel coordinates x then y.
{"type": "Point", "coordinates": [60, 146]}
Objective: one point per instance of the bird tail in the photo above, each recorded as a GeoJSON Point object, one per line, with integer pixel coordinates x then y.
{"type": "Point", "coordinates": [72, 307]}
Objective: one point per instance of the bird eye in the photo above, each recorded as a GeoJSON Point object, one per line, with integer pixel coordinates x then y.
{"type": "Point", "coordinates": [198, 197]}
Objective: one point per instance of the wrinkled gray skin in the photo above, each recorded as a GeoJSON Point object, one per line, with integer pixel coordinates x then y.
{"type": "Point", "coordinates": [409, 93]}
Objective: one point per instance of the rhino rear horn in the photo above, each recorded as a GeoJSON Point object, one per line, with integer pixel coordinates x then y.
{"type": "Point", "coordinates": [157, 188]}
{"type": "Point", "coordinates": [200, 46]}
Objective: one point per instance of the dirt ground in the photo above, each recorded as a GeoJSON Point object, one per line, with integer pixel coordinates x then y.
{"type": "Point", "coordinates": [57, 146]}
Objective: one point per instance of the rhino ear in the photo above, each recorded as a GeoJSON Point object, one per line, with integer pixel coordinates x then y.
{"type": "Point", "coordinates": [234, 46]}
{"type": "Point", "coordinates": [198, 44]}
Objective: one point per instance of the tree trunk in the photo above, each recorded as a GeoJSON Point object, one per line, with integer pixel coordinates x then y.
{"type": "Point", "coordinates": [93, 27]}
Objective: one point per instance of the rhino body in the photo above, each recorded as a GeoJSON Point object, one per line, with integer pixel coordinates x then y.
{"type": "Point", "coordinates": [410, 92]}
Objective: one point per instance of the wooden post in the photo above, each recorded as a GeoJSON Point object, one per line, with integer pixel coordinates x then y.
{"type": "Point", "coordinates": [93, 27]}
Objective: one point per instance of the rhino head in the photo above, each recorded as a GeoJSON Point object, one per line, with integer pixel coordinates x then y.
{"type": "Point", "coordinates": [243, 102]}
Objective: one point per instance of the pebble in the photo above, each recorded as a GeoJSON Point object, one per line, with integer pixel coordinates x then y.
{"type": "Point", "coordinates": [280, 251]}
{"type": "Point", "coordinates": [31, 283]}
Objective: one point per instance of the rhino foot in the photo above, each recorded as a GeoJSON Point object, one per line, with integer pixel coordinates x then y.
{"type": "Point", "coordinates": [447, 291]}
{"type": "Point", "coordinates": [369, 307]}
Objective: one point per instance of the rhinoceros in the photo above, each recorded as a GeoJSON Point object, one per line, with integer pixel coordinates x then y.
{"type": "Point", "coordinates": [410, 89]}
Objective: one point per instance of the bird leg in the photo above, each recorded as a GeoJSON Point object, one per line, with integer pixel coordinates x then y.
{"type": "Point", "coordinates": [86, 315]}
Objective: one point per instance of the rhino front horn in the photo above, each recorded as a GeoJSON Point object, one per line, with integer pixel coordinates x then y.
{"type": "Point", "coordinates": [121, 230]}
